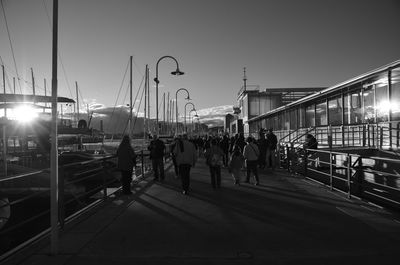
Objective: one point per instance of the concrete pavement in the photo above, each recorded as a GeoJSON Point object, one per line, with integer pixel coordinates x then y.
{"type": "Point", "coordinates": [285, 220]}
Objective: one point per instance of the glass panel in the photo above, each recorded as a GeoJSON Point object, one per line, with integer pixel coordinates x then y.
{"type": "Point", "coordinates": [310, 116]}
{"type": "Point", "coordinates": [369, 107]}
{"type": "Point", "coordinates": [382, 100]}
{"type": "Point", "coordinates": [293, 119]}
{"type": "Point", "coordinates": [302, 117]}
{"type": "Point", "coordinates": [335, 110]}
{"type": "Point", "coordinates": [352, 107]}
{"type": "Point", "coordinates": [395, 100]}
{"type": "Point", "coordinates": [285, 121]}
{"type": "Point", "coordinates": [320, 114]}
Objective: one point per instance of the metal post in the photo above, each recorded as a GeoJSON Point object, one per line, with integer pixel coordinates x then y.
{"type": "Point", "coordinates": [349, 175]}
{"type": "Point", "coordinates": [54, 155]}
{"type": "Point", "coordinates": [130, 98]}
{"type": "Point", "coordinates": [142, 155]}
{"type": "Point", "coordinates": [330, 170]}
{"type": "Point", "coordinates": [77, 101]}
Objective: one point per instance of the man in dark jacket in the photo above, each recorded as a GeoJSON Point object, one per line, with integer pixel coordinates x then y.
{"type": "Point", "coordinates": [157, 149]}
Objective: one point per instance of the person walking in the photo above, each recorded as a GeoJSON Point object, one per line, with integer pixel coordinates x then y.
{"type": "Point", "coordinates": [251, 154]}
{"type": "Point", "coordinates": [215, 159]}
{"type": "Point", "coordinates": [236, 163]}
{"type": "Point", "coordinates": [173, 146]}
{"type": "Point", "coordinates": [262, 146]}
{"type": "Point", "coordinates": [126, 162]}
{"type": "Point", "coordinates": [224, 144]}
{"type": "Point", "coordinates": [186, 157]}
{"type": "Point", "coordinates": [157, 149]}
{"type": "Point", "coordinates": [272, 142]}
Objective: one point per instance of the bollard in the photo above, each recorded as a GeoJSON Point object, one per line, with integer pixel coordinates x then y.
{"type": "Point", "coordinates": [105, 173]}
{"type": "Point", "coordinates": [142, 155]}
{"type": "Point", "coordinates": [348, 175]}
{"type": "Point", "coordinates": [330, 170]}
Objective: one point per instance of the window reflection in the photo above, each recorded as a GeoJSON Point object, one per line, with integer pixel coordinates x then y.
{"type": "Point", "coordinates": [320, 114]}
{"type": "Point", "coordinates": [310, 116]}
{"type": "Point", "coordinates": [369, 107]}
{"type": "Point", "coordinates": [335, 110]}
{"type": "Point", "coordinates": [395, 100]}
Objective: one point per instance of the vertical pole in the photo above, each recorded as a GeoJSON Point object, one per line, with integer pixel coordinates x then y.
{"type": "Point", "coordinates": [163, 112]}
{"type": "Point", "coordinates": [130, 97]}
{"type": "Point", "coordinates": [4, 86]}
{"type": "Point", "coordinates": [54, 155]}
{"type": "Point", "coordinates": [168, 113]}
{"type": "Point", "coordinates": [176, 111]}
{"type": "Point", "coordinates": [330, 169]}
{"type": "Point", "coordinates": [4, 124]}
{"type": "Point", "coordinates": [14, 84]}
{"type": "Point", "coordinates": [348, 175]}
{"type": "Point", "coordinates": [33, 85]}
{"type": "Point", "coordinates": [148, 97]}
{"type": "Point", "coordinates": [77, 101]}
{"type": "Point", "coordinates": [45, 94]}
{"type": "Point", "coordinates": [145, 104]}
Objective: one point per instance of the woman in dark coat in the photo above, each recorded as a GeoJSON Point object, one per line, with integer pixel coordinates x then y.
{"type": "Point", "coordinates": [126, 162]}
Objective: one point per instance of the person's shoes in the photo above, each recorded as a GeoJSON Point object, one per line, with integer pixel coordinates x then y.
{"type": "Point", "coordinates": [184, 192]}
{"type": "Point", "coordinates": [256, 184]}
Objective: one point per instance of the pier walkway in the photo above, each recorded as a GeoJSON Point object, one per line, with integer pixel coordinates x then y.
{"type": "Point", "coordinates": [285, 220]}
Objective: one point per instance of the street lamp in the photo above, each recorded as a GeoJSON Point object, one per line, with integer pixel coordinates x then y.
{"type": "Point", "coordinates": [191, 118]}
{"type": "Point", "coordinates": [176, 105]}
{"type": "Point", "coordinates": [194, 108]}
{"type": "Point", "coordinates": [176, 72]}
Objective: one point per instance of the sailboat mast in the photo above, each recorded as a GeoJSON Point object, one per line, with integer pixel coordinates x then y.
{"type": "Point", "coordinates": [4, 86]}
{"type": "Point", "coordinates": [54, 152]}
{"type": "Point", "coordinates": [77, 101]}
{"type": "Point", "coordinates": [130, 98]}
{"type": "Point", "coordinates": [33, 85]}
{"type": "Point", "coordinates": [145, 104]}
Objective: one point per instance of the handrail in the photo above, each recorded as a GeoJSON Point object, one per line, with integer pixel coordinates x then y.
{"type": "Point", "coordinates": [88, 176]}
{"type": "Point", "coordinates": [288, 135]}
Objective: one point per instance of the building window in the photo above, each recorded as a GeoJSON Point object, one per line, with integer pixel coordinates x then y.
{"type": "Point", "coordinates": [395, 100]}
{"type": "Point", "coordinates": [310, 116]}
{"type": "Point", "coordinates": [382, 104]}
{"type": "Point", "coordinates": [369, 107]}
{"type": "Point", "coordinates": [293, 119]}
{"type": "Point", "coordinates": [302, 117]}
{"type": "Point", "coordinates": [352, 107]}
{"type": "Point", "coordinates": [335, 109]}
{"type": "Point", "coordinates": [320, 114]}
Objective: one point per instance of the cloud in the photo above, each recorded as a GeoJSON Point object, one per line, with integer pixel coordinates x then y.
{"type": "Point", "coordinates": [214, 116]}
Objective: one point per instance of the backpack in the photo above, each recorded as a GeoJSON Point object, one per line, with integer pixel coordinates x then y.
{"type": "Point", "coordinates": [216, 160]}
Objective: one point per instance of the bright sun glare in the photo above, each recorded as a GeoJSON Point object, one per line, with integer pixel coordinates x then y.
{"type": "Point", "coordinates": [25, 113]}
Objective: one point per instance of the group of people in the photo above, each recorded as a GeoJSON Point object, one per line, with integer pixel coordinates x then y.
{"type": "Point", "coordinates": [235, 153]}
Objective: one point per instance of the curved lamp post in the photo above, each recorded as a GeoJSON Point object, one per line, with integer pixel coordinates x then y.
{"type": "Point", "coordinates": [194, 108]}
{"type": "Point", "coordinates": [176, 104]}
{"type": "Point", "coordinates": [176, 72]}
{"type": "Point", "coordinates": [194, 116]}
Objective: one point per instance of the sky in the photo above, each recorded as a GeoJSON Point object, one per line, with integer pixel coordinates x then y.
{"type": "Point", "coordinates": [282, 43]}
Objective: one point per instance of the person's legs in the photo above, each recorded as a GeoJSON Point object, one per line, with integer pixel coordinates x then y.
{"type": "Point", "coordinates": [212, 174]}
{"type": "Point", "coordinates": [248, 171]}
{"type": "Point", "coordinates": [161, 168]}
{"type": "Point", "coordinates": [184, 171]}
{"type": "Point", "coordinates": [154, 164]}
{"type": "Point", "coordinates": [218, 176]}
{"type": "Point", "coordinates": [126, 179]}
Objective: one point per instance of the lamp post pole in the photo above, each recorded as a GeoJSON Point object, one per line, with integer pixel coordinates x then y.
{"type": "Point", "coordinates": [176, 105]}
{"type": "Point", "coordinates": [176, 72]}
{"type": "Point", "coordinates": [191, 118]}
{"type": "Point", "coordinates": [185, 112]}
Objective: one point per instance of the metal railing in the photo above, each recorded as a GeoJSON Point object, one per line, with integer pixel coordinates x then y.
{"type": "Point", "coordinates": [25, 198]}
{"type": "Point", "coordinates": [369, 177]}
